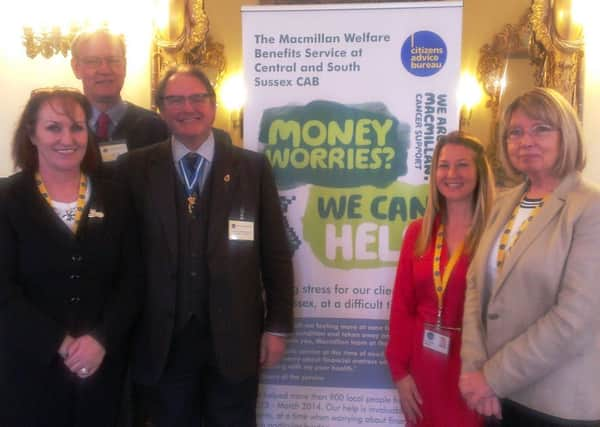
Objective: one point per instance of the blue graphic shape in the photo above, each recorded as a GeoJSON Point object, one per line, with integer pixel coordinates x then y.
{"type": "Point", "coordinates": [424, 53]}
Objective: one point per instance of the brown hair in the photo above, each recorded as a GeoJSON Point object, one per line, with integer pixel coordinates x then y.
{"type": "Point", "coordinates": [24, 152]}
{"type": "Point", "coordinates": [548, 106]}
{"type": "Point", "coordinates": [192, 70]}
{"type": "Point", "coordinates": [483, 195]}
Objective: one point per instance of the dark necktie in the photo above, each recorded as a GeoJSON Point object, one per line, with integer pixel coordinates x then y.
{"type": "Point", "coordinates": [102, 125]}
{"type": "Point", "coordinates": [192, 165]}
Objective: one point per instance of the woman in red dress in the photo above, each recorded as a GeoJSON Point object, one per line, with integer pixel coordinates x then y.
{"type": "Point", "coordinates": [427, 304]}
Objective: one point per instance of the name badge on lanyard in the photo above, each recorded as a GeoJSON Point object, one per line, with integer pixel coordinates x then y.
{"type": "Point", "coordinates": [436, 340]}
{"type": "Point", "coordinates": [437, 337]}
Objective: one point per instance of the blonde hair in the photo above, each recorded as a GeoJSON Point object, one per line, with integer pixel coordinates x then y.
{"type": "Point", "coordinates": [548, 106]}
{"type": "Point", "coordinates": [483, 195]}
{"type": "Point", "coordinates": [91, 35]}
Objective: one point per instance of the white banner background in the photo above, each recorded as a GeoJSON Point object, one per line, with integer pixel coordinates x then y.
{"type": "Point", "coordinates": [346, 101]}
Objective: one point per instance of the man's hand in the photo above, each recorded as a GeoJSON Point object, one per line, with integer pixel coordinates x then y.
{"type": "Point", "coordinates": [272, 348]}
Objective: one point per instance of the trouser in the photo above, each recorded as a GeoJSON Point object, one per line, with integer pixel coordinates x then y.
{"type": "Point", "coordinates": [517, 415]}
{"type": "Point", "coordinates": [192, 392]}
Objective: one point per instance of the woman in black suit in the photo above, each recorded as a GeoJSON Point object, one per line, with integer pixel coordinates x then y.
{"type": "Point", "coordinates": [71, 277]}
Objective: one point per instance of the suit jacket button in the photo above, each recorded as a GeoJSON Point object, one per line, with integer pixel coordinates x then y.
{"type": "Point", "coordinates": [493, 316]}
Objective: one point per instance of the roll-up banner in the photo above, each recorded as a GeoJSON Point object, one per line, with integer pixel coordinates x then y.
{"type": "Point", "coordinates": [346, 101]}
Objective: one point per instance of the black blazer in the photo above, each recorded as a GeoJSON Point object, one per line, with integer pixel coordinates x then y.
{"type": "Point", "coordinates": [54, 282]}
{"type": "Point", "coordinates": [140, 127]}
{"type": "Point", "coordinates": [251, 282]}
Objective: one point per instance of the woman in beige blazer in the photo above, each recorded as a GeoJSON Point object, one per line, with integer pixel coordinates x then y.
{"type": "Point", "coordinates": [531, 332]}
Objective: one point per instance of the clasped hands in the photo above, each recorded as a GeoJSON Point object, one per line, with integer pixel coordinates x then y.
{"type": "Point", "coordinates": [83, 355]}
{"type": "Point", "coordinates": [479, 395]}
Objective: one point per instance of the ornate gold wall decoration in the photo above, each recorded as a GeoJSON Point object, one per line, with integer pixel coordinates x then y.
{"type": "Point", "coordinates": [557, 48]}
{"type": "Point", "coordinates": [547, 50]}
{"type": "Point", "coordinates": [508, 47]}
{"type": "Point", "coordinates": [48, 43]}
{"type": "Point", "coordinates": [509, 43]}
{"type": "Point", "coordinates": [185, 40]}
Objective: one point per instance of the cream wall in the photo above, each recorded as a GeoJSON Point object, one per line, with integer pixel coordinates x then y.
{"type": "Point", "coordinates": [481, 20]}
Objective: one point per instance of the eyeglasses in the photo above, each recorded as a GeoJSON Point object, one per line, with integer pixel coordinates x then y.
{"type": "Point", "coordinates": [538, 131]}
{"type": "Point", "coordinates": [96, 61]}
{"type": "Point", "coordinates": [197, 99]}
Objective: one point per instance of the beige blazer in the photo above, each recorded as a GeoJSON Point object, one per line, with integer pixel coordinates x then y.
{"type": "Point", "coordinates": [535, 331]}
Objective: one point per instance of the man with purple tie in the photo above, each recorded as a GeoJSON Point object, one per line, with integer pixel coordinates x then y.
{"type": "Point", "coordinates": [98, 60]}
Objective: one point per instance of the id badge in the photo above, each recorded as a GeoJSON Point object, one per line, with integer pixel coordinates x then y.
{"type": "Point", "coordinates": [111, 150]}
{"type": "Point", "coordinates": [436, 340]}
{"type": "Point", "coordinates": [241, 230]}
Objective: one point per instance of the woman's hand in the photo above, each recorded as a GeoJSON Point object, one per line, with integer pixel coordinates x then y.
{"type": "Point", "coordinates": [85, 355]}
{"type": "Point", "coordinates": [63, 350]}
{"type": "Point", "coordinates": [490, 407]}
{"type": "Point", "coordinates": [410, 399]}
{"type": "Point", "coordinates": [478, 394]}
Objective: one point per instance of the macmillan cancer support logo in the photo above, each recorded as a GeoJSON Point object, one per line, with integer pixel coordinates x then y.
{"type": "Point", "coordinates": [424, 53]}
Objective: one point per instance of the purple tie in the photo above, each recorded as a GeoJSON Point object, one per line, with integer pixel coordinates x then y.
{"type": "Point", "coordinates": [102, 126]}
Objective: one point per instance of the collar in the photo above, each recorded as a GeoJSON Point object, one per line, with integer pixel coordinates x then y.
{"type": "Point", "coordinates": [116, 113]}
{"type": "Point", "coordinates": [563, 189]}
{"type": "Point", "coordinates": [206, 149]}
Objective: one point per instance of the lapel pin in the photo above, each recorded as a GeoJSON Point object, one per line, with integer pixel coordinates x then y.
{"type": "Point", "coordinates": [227, 178]}
{"type": "Point", "coordinates": [95, 214]}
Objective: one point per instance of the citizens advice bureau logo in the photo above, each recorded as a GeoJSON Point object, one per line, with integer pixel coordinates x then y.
{"type": "Point", "coordinates": [424, 53]}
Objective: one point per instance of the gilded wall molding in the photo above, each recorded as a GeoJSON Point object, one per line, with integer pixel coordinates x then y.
{"type": "Point", "coordinates": [557, 48]}
{"type": "Point", "coordinates": [185, 40]}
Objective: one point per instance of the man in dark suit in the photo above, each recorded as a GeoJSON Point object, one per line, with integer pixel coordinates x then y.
{"type": "Point", "coordinates": [98, 60]}
{"type": "Point", "coordinates": [219, 300]}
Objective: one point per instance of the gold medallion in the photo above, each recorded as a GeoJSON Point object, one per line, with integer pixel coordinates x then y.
{"type": "Point", "coordinates": [191, 201]}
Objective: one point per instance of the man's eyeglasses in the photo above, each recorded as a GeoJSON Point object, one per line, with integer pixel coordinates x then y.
{"type": "Point", "coordinates": [538, 131]}
{"type": "Point", "coordinates": [96, 61]}
{"type": "Point", "coordinates": [197, 99]}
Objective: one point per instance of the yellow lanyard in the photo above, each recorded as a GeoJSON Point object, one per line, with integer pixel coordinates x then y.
{"type": "Point", "coordinates": [80, 197]}
{"type": "Point", "coordinates": [505, 245]}
{"type": "Point", "coordinates": [441, 281]}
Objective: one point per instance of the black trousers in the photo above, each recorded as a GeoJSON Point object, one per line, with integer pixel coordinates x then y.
{"type": "Point", "coordinates": [192, 392]}
{"type": "Point", "coordinates": [517, 415]}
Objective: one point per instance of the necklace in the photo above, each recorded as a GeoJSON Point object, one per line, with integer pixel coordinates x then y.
{"type": "Point", "coordinates": [505, 246]}
{"type": "Point", "coordinates": [80, 197]}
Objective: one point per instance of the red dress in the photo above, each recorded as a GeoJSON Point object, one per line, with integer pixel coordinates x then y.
{"type": "Point", "coordinates": [414, 302]}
